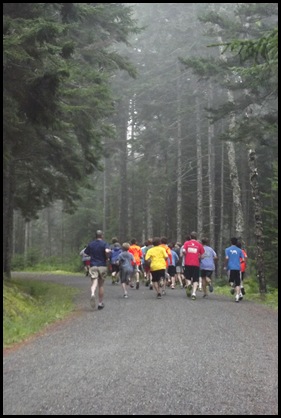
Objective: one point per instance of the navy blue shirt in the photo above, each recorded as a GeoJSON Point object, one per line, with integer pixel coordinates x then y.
{"type": "Point", "coordinates": [96, 250]}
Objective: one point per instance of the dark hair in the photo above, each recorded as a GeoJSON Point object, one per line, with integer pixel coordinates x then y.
{"type": "Point", "coordinates": [133, 241]}
{"type": "Point", "coordinates": [193, 235]}
{"type": "Point", "coordinates": [164, 240]}
{"type": "Point", "coordinates": [156, 241]}
{"type": "Point", "coordinates": [233, 241]}
{"type": "Point", "coordinates": [99, 233]}
{"type": "Point", "coordinates": [205, 241]}
{"type": "Point", "coordinates": [114, 239]}
{"type": "Point", "coordinates": [239, 245]}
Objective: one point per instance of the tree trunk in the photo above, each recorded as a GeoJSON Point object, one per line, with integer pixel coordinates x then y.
{"type": "Point", "coordinates": [8, 218]}
{"type": "Point", "coordinates": [26, 239]}
{"type": "Point", "coordinates": [123, 212]}
{"type": "Point", "coordinates": [211, 174]}
{"type": "Point", "coordinates": [199, 172]}
{"type": "Point", "coordinates": [179, 160]}
{"type": "Point", "coordinates": [234, 178]}
{"type": "Point", "coordinates": [49, 231]}
{"type": "Point", "coordinates": [149, 219]}
{"type": "Point", "coordinates": [221, 232]}
{"type": "Point", "coordinates": [236, 191]}
{"type": "Point", "coordinates": [258, 219]}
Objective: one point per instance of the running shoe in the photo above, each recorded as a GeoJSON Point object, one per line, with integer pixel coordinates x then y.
{"type": "Point", "coordinates": [240, 296]}
{"type": "Point", "coordinates": [137, 285]}
{"type": "Point", "coordinates": [243, 291]}
{"type": "Point", "coordinates": [237, 298]}
{"type": "Point", "coordinates": [125, 296]}
{"type": "Point", "coordinates": [159, 296]}
{"type": "Point", "coordinates": [193, 296]}
{"type": "Point", "coordinates": [211, 288]}
{"type": "Point", "coordinates": [100, 305]}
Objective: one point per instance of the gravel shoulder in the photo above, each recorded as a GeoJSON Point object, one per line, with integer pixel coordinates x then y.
{"type": "Point", "coordinates": [143, 356]}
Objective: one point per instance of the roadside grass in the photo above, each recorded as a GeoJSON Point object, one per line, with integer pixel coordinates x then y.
{"type": "Point", "coordinates": [30, 305]}
{"type": "Point", "coordinates": [251, 286]}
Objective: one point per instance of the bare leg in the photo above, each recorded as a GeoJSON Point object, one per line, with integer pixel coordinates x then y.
{"type": "Point", "coordinates": [156, 287]}
{"type": "Point", "coordinates": [204, 285]}
{"type": "Point", "coordinates": [194, 288]}
{"type": "Point", "coordinates": [94, 286]}
{"type": "Point", "coordinates": [101, 290]}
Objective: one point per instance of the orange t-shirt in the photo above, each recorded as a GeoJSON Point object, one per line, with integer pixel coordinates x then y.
{"type": "Point", "coordinates": [137, 253]}
{"type": "Point", "coordinates": [243, 262]}
{"type": "Point", "coordinates": [169, 253]}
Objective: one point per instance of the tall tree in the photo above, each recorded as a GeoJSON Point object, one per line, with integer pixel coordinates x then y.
{"type": "Point", "coordinates": [57, 96]}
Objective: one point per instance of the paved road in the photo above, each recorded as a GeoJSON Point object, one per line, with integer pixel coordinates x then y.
{"type": "Point", "coordinates": [143, 356]}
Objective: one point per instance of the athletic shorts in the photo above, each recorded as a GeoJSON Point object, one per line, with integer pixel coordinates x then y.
{"type": "Point", "coordinates": [172, 270]}
{"type": "Point", "coordinates": [157, 275]}
{"type": "Point", "coordinates": [234, 277]}
{"type": "Point", "coordinates": [206, 273]}
{"type": "Point", "coordinates": [98, 272]}
{"type": "Point", "coordinates": [191, 272]}
{"type": "Point", "coordinates": [114, 268]}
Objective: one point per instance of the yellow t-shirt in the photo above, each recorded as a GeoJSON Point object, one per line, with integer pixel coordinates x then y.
{"type": "Point", "coordinates": [158, 257]}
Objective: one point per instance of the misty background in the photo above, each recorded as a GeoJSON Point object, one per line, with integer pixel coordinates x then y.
{"type": "Point", "coordinates": [142, 120]}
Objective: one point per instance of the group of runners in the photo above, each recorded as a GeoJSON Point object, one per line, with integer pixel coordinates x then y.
{"type": "Point", "coordinates": [161, 265]}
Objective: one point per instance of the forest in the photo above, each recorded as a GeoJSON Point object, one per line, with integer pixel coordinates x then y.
{"type": "Point", "coordinates": [143, 120]}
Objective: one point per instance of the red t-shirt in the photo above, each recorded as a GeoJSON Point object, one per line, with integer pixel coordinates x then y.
{"type": "Point", "coordinates": [193, 250]}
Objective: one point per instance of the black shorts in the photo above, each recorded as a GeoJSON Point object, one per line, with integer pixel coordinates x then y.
{"type": "Point", "coordinates": [192, 272]}
{"type": "Point", "coordinates": [172, 270]}
{"type": "Point", "coordinates": [234, 277]}
{"type": "Point", "coordinates": [206, 273]}
{"type": "Point", "coordinates": [157, 275]}
{"type": "Point", "coordinates": [115, 268]}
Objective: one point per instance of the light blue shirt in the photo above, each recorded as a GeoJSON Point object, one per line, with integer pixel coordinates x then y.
{"type": "Point", "coordinates": [207, 262]}
{"type": "Point", "coordinates": [175, 258]}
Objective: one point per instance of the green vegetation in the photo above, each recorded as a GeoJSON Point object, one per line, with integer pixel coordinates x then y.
{"type": "Point", "coordinates": [251, 287]}
{"type": "Point", "coordinates": [34, 262]}
{"type": "Point", "coordinates": [29, 306]}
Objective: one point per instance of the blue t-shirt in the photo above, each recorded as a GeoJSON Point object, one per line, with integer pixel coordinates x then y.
{"type": "Point", "coordinates": [175, 258]}
{"type": "Point", "coordinates": [125, 261]}
{"type": "Point", "coordinates": [96, 250]}
{"type": "Point", "coordinates": [207, 262]}
{"type": "Point", "coordinates": [115, 252]}
{"type": "Point", "coordinates": [234, 254]}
